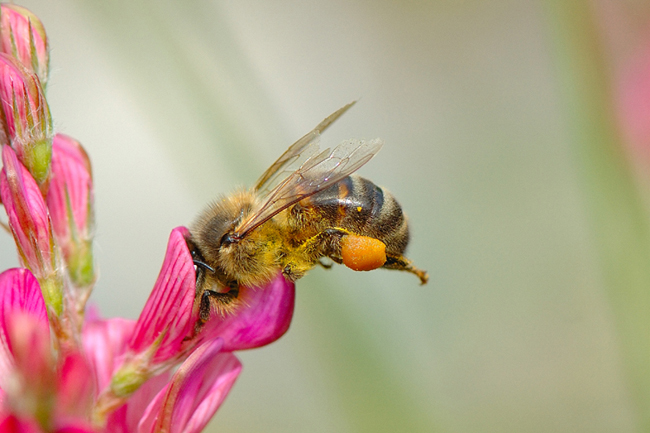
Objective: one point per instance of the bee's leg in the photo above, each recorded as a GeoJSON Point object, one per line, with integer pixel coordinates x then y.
{"type": "Point", "coordinates": [309, 253]}
{"type": "Point", "coordinates": [401, 263]}
{"type": "Point", "coordinates": [222, 303]}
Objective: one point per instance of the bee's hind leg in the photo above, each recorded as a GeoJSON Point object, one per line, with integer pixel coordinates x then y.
{"type": "Point", "coordinates": [401, 263]}
{"type": "Point", "coordinates": [311, 252]}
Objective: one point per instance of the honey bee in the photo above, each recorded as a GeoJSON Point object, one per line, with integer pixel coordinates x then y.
{"type": "Point", "coordinates": [295, 217]}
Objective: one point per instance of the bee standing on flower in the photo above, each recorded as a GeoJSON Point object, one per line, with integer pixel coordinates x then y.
{"type": "Point", "coordinates": [293, 218]}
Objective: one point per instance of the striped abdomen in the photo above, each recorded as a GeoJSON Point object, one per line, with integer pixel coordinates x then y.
{"type": "Point", "coordinates": [361, 207]}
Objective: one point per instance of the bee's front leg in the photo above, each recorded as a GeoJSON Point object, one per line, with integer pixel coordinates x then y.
{"type": "Point", "coordinates": [222, 303]}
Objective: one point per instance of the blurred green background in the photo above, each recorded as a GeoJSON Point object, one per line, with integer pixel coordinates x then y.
{"type": "Point", "coordinates": [501, 145]}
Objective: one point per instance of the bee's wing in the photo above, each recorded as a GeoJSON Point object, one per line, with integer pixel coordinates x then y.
{"type": "Point", "coordinates": [317, 173]}
{"type": "Point", "coordinates": [303, 149]}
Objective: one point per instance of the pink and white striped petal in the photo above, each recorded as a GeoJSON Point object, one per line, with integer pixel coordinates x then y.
{"type": "Point", "coordinates": [167, 318]}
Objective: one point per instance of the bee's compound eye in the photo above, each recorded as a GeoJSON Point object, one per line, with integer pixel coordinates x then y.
{"type": "Point", "coordinates": [227, 239]}
{"type": "Point", "coordinates": [362, 253]}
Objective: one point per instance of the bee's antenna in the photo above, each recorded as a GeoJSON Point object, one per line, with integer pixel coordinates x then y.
{"type": "Point", "coordinates": [203, 265]}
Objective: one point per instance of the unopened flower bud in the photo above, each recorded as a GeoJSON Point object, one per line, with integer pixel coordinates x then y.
{"type": "Point", "coordinates": [70, 201]}
{"type": "Point", "coordinates": [27, 115]}
{"type": "Point", "coordinates": [30, 224]}
{"type": "Point", "coordinates": [22, 36]}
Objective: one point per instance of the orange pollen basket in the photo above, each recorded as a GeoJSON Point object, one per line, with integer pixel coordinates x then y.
{"type": "Point", "coordinates": [362, 253]}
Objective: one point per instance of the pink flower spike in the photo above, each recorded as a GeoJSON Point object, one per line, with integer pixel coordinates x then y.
{"type": "Point", "coordinates": [167, 318]}
{"type": "Point", "coordinates": [22, 35]}
{"type": "Point", "coordinates": [195, 392]}
{"type": "Point", "coordinates": [70, 202]}
{"type": "Point", "coordinates": [30, 225]}
{"type": "Point", "coordinates": [265, 317]}
{"type": "Point", "coordinates": [28, 120]}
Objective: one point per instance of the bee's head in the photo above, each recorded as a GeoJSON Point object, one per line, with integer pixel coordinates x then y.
{"type": "Point", "coordinates": [214, 229]}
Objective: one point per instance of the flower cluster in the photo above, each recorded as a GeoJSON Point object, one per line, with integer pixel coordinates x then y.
{"type": "Point", "coordinates": [64, 369]}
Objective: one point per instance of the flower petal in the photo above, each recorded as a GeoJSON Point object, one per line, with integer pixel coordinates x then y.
{"type": "Point", "coordinates": [105, 342]}
{"type": "Point", "coordinates": [265, 317]}
{"type": "Point", "coordinates": [20, 293]}
{"type": "Point", "coordinates": [167, 318]}
{"type": "Point", "coordinates": [19, 290]}
{"type": "Point", "coordinates": [34, 362]}
{"type": "Point", "coordinates": [76, 428]}
{"type": "Point", "coordinates": [127, 417]}
{"type": "Point", "coordinates": [75, 390]}
{"type": "Point", "coordinates": [12, 424]}
{"type": "Point", "coordinates": [195, 392]}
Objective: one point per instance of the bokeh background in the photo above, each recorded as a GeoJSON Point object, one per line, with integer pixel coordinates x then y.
{"type": "Point", "coordinates": [517, 137]}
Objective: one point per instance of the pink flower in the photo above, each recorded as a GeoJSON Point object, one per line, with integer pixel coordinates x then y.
{"type": "Point", "coordinates": [129, 361]}
{"type": "Point", "coordinates": [63, 369]}
{"type": "Point", "coordinates": [162, 336]}
{"type": "Point", "coordinates": [30, 376]}
{"type": "Point", "coordinates": [132, 388]}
